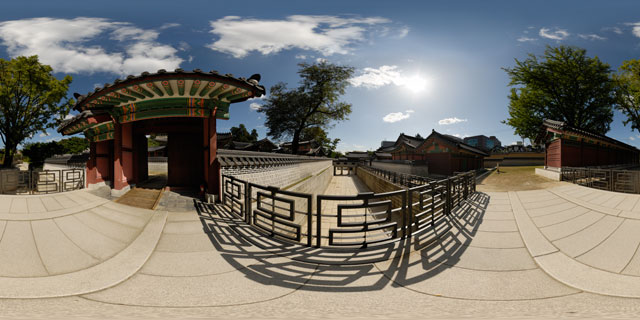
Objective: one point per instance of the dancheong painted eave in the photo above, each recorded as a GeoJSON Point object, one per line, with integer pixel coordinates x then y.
{"type": "Point", "coordinates": [163, 94]}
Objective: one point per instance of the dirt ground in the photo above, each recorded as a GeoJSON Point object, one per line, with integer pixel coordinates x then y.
{"type": "Point", "coordinates": [515, 179]}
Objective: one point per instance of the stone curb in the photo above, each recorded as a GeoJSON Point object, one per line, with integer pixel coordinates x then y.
{"type": "Point", "coordinates": [582, 203]}
{"type": "Point", "coordinates": [565, 269]}
{"type": "Point", "coordinates": [107, 274]}
{"type": "Point", "coordinates": [51, 214]}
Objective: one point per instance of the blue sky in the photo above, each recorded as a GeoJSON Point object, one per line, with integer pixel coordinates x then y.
{"type": "Point", "coordinates": [420, 65]}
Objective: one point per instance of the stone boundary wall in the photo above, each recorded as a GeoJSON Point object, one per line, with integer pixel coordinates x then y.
{"type": "Point", "coordinates": [402, 166]}
{"type": "Point", "coordinates": [283, 176]}
{"type": "Point", "coordinates": [378, 185]}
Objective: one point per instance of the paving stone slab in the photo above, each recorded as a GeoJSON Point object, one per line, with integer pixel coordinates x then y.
{"type": "Point", "coordinates": [601, 199]}
{"type": "Point", "coordinates": [5, 204]}
{"type": "Point", "coordinates": [185, 227]}
{"type": "Point", "coordinates": [19, 205]}
{"type": "Point", "coordinates": [615, 252]}
{"type": "Point", "coordinates": [34, 205]}
{"type": "Point", "coordinates": [257, 283]}
{"type": "Point", "coordinates": [99, 277]}
{"type": "Point", "coordinates": [586, 204]}
{"type": "Point", "coordinates": [487, 259]}
{"type": "Point", "coordinates": [589, 237]}
{"type": "Point", "coordinates": [633, 267]}
{"type": "Point", "coordinates": [563, 229]}
{"type": "Point", "coordinates": [495, 240]}
{"type": "Point", "coordinates": [65, 201]}
{"type": "Point", "coordinates": [90, 241]}
{"type": "Point", "coordinates": [109, 228]}
{"type": "Point", "coordinates": [51, 203]}
{"type": "Point", "coordinates": [628, 203]}
{"type": "Point", "coordinates": [630, 215]}
{"type": "Point", "coordinates": [452, 282]}
{"type": "Point", "coordinates": [497, 215]}
{"type": "Point", "coordinates": [121, 217]}
{"type": "Point", "coordinates": [18, 252]}
{"type": "Point", "coordinates": [614, 201]}
{"type": "Point", "coordinates": [586, 278]}
{"type": "Point", "coordinates": [498, 226]}
{"type": "Point", "coordinates": [558, 217]}
{"type": "Point", "coordinates": [535, 242]}
{"type": "Point", "coordinates": [550, 209]}
{"type": "Point", "coordinates": [58, 253]}
{"type": "Point", "coordinates": [543, 203]}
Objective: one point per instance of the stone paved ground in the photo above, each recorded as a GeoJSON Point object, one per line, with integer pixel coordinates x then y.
{"type": "Point", "coordinates": [566, 251]}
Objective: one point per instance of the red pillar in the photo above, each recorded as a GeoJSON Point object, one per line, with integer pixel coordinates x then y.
{"type": "Point", "coordinates": [91, 172]}
{"type": "Point", "coordinates": [212, 165]}
{"type": "Point", "coordinates": [123, 157]}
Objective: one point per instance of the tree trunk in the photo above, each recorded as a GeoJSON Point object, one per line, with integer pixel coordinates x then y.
{"type": "Point", "coordinates": [295, 142]}
{"type": "Point", "coordinates": [9, 152]}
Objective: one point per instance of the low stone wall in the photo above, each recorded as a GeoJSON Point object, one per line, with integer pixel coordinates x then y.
{"type": "Point", "coordinates": [379, 185]}
{"type": "Point", "coordinates": [284, 176]}
{"type": "Point", "coordinates": [514, 159]}
{"type": "Point", "coordinates": [402, 166]}
{"type": "Point", "coordinates": [551, 174]}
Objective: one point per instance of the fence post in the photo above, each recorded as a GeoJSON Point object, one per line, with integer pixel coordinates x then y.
{"type": "Point", "coordinates": [247, 199]}
{"type": "Point", "coordinates": [318, 221]}
{"type": "Point", "coordinates": [610, 179]}
{"type": "Point", "coordinates": [448, 202]}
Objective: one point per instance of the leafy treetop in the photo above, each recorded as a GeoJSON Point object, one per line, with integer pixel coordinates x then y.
{"type": "Point", "coordinates": [563, 84]}
{"type": "Point", "coordinates": [29, 101]}
{"type": "Point", "coordinates": [315, 103]}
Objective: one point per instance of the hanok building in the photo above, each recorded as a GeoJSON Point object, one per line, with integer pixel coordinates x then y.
{"type": "Point", "coordinates": [404, 148]}
{"type": "Point", "coordinates": [444, 154]}
{"type": "Point", "coordinates": [567, 146]}
{"type": "Point", "coordinates": [183, 105]}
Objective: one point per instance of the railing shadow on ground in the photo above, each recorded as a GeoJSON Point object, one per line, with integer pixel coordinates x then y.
{"type": "Point", "coordinates": [278, 263]}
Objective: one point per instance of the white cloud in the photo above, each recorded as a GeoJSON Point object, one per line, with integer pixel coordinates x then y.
{"type": "Point", "coordinates": [632, 138]}
{"type": "Point", "coordinates": [616, 30]}
{"type": "Point", "coordinates": [44, 134]}
{"type": "Point", "coordinates": [255, 106]}
{"type": "Point", "coordinates": [448, 121]}
{"type": "Point", "coordinates": [403, 32]}
{"type": "Point", "coordinates": [410, 111]}
{"type": "Point", "coordinates": [591, 37]}
{"type": "Point", "coordinates": [183, 46]}
{"type": "Point", "coordinates": [169, 25]}
{"type": "Point", "coordinates": [66, 45]}
{"type": "Point", "coordinates": [325, 34]}
{"type": "Point", "coordinates": [635, 28]}
{"type": "Point", "coordinates": [396, 116]}
{"type": "Point", "coordinates": [301, 56]}
{"type": "Point", "coordinates": [555, 34]}
{"type": "Point", "coordinates": [321, 60]}
{"type": "Point", "coordinates": [526, 39]}
{"type": "Point", "coordinates": [372, 78]}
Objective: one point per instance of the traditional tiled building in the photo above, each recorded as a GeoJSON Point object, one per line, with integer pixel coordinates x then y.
{"type": "Point", "coordinates": [444, 154]}
{"type": "Point", "coordinates": [567, 146]}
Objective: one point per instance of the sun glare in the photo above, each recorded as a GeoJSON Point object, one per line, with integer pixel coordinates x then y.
{"type": "Point", "coordinates": [417, 84]}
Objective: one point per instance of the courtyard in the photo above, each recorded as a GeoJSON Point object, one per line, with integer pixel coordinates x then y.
{"type": "Point", "coordinates": [561, 251]}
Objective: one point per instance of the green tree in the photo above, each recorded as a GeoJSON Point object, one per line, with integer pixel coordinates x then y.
{"type": "Point", "coordinates": [320, 136]}
{"type": "Point", "coordinates": [563, 84]}
{"type": "Point", "coordinates": [37, 152]}
{"type": "Point", "coordinates": [315, 103]}
{"type": "Point", "coordinates": [241, 134]}
{"type": "Point", "coordinates": [29, 101]}
{"type": "Point", "coordinates": [628, 92]}
{"type": "Point", "coordinates": [74, 145]}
